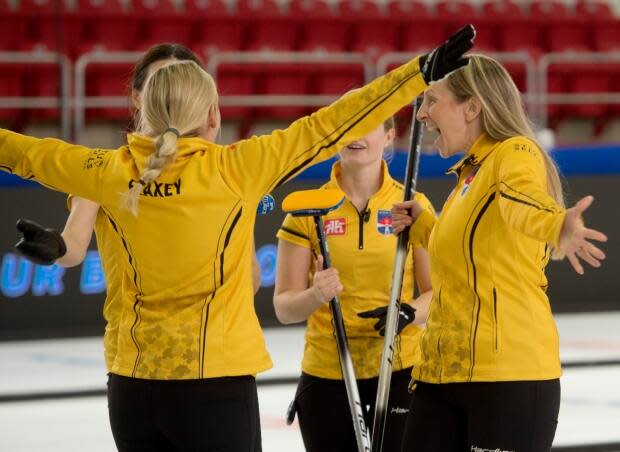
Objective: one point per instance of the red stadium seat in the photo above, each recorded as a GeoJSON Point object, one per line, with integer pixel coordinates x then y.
{"type": "Point", "coordinates": [563, 30]}
{"type": "Point", "coordinates": [48, 26]}
{"type": "Point", "coordinates": [284, 80]}
{"type": "Point", "coordinates": [161, 21]}
{"type": "Point", "coordinates": [603, 26]}
{"type": "Point", "coordinates": [237, 80]}
{"type": "Point", "coordinates": [107, 25]}
{"type": "Point", "coordinates": [371, 31]}
{"type": "Point", "coordinates": [514, 31]}
{"type": "Point", "coordinates": [12, 26]}
{"type": "Point", "coordinates": [455, 14]}
{"type": "Point", "coordinates": [338, 79]}
{"type": "Point", "coordinates": [214, 26]}
{"type": "Point", "coordinates": [594, 10]}
{"type": "Point", "coordinates": [43, 80]}
{"type": "Point", "coordinates": [419, 29]}
{"type": "Point", "coordinates": [269, 28]}
{"type": "Point", "coordinates": [585, 83]}
{"type": "Point", "coordinates": [322, 29]}
{"type": "Point", "coordinates": [11, 77]}
{"type": "Point", "coordinates": [517, 72]}
{"type": "Point", "coordinates": [110, 79]}
{"type": "Point", "coordinates": [497, 20]}
{"type": "Point", "coordinates": [555, 85]}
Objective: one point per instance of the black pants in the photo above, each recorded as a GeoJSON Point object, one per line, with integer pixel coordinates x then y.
{"type": "Point", "coordinates": [210, 415]}
{"type": "Point", "coordinates": [325, 419]}
{"type": "Point", "coordinates": [519, 416]}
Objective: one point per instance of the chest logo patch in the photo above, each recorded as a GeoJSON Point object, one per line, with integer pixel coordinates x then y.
{"type": "Point", "coordinates": [335, 226]}
{"type": "Point", "coordinates": [469, 181]}
{"type": "Point", "coordinates": [384, 222]}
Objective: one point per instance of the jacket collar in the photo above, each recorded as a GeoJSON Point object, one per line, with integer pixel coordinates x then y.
{"type": "Point", "coordinates": [480, 150]}
{"type": "Point", "coordinates": [385, 185]}
{"type": "Point", "coordinates": [141, 147]}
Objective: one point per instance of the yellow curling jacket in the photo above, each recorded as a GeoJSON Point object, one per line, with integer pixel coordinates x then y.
{"type": "Point", "coordinates": [490, 318]}
{"type": "Point", "coordinates": [362, 248]}
{"type": "Point", "coordinates": [188, 308]}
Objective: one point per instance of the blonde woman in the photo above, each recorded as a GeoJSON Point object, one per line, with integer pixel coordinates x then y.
{"type": "Point", "coordinates": [46, 246]}
{"type": "Point", "coordinates": [490, 368]}
{"type": "Point", "coordinates": [189, 342]}
{"type": "Point", "coordinates": [362, 249]}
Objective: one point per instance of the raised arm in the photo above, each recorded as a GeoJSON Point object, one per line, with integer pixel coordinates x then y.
{"type": "Point", "coordinates": [309, 140]}
{"type": "Point", "coordinates": [58, 165]}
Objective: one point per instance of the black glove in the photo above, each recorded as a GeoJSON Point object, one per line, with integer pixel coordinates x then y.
{"type": "Point", "coordinates": [40, 245]}
{"type": "Point", "coordinates": [448, 57]}
{"type": "Point", "coordinates": [406, 315]}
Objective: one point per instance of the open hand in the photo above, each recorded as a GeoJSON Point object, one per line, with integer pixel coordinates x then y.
{"type": "Point", "coordinates": [575, 238]}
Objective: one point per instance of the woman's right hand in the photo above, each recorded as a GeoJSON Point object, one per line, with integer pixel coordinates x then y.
{"type": "Point", "coordinates": [404, 214]}
{"type": "Point", "coordinates": [326, 283]}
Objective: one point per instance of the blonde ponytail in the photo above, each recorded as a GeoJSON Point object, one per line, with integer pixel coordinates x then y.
{"type": "Point", "coordinates": [177, 101]}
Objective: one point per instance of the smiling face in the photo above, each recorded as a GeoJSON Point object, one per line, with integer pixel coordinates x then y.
{"type": "Point", "coordinates": [369, 149]}
{"type": "Point", "coordinates": [456, 123]}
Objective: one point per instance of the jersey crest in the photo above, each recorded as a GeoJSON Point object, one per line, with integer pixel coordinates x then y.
{"type": "Point", "coordinates": [335, 226]}
{"type": "Point", "coordinates": [384, 222]}
{"type": "Point", "coordinates": [469, 181]}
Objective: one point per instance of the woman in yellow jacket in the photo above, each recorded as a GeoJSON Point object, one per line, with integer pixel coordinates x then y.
{"type": "Point", "coordinates": [488, 378]}
{"type": "Point", "coordinates": [362, 249]}
{"type": "Point", "coordinates": [46, 246]}
{"type": "Point", "coordinates": [189, 342]}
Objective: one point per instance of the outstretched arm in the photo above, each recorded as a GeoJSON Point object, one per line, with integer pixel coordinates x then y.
{"type": "Point", "coordinates": [58, 165]}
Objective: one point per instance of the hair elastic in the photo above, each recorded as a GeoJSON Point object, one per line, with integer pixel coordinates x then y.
{"type": "Point", "coordinates": [173, 130]}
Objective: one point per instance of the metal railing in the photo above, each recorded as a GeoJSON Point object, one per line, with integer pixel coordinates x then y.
{"type": "Point", "coordinates": [81, 101]}
{"type": "Point", "coordinates": [267, 58]}
{"type": "Point", "coordinates": [529, 95]}
{"type": "Point", "coordinates": [572, 58]}
{"type": "Point", "coordinates": [535, 95]}
{"type": "Point", "coordinates": [61, 102]}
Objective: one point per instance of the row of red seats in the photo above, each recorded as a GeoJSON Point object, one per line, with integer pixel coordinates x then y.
{"type": "Point", "coordinates": [286, 79]}
{"type": "Point", "coordinates": [403, 25]}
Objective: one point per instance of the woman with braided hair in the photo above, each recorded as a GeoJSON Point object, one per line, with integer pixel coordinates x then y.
{"type": "Point", "coordinates": [189, 341]}
{"type": "Point", "coordinates": [68, 249]}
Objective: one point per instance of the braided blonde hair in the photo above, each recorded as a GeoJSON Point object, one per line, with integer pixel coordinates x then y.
{"type": "Point", "coordinates": [177, 101]}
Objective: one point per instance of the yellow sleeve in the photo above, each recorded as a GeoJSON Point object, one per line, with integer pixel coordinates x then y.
{"type": "Point", "coordinates": [257, 165]}
{"type": "Point", "coordinates": [58, 165]}
{"type": "Point", "coordinates": [296, 230]}
{"type": "Point", "coordinates": [421, 230]}
{"type": "Point", "coordinates": [524, 201]}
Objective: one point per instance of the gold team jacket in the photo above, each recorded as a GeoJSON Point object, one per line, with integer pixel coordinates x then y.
{"type": "Point", "coordinates": [187, 299]}
{"type": "Point", "coordinates": [362, 248]}
{"type": "Point", "coordinates": [490, 318]}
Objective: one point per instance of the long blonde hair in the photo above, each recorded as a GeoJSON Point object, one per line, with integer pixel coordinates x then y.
{"type": "Point", "coordinates": [177, 100]}
{"type": "Point", "coordinates": [502, 115]}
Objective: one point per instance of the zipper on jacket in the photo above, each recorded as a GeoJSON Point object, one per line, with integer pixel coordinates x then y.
{"type": "Point", "coordinates": [364, 217]}
{"type": "Point", "coordinates": [495, 318]}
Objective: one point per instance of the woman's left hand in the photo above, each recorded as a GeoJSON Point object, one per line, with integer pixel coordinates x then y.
{"type": "Point", "coordinates": [404, 214]}
{"type": "Point", "coordinates": [575, 238]}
